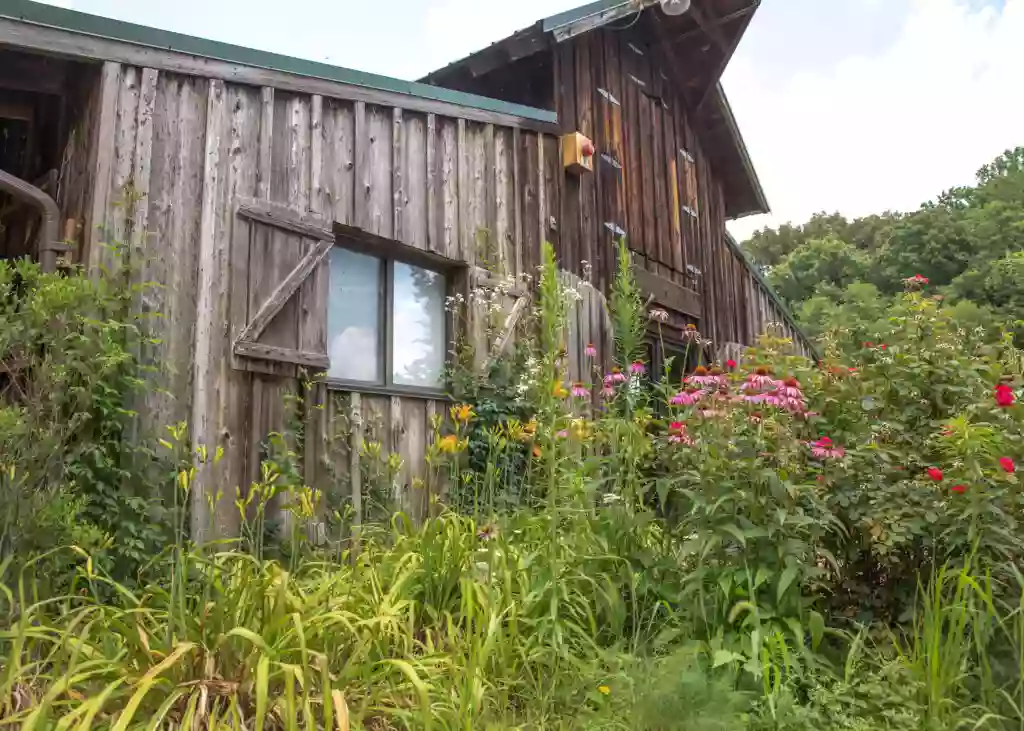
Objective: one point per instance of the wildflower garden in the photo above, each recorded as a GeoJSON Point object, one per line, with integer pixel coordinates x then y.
{"type": "Point", "coordinates": [770, 543]}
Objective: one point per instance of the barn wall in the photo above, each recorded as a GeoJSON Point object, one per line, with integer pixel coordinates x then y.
{"type": "Point", "coordinates": [176, 152]}
{"type": "Point", "coordinates": [652, 183]}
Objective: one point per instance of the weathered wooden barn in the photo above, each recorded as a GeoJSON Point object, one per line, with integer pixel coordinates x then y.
{"type": "Point", "coordinates": [303, 217]}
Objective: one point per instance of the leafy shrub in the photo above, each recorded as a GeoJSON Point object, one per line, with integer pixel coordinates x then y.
{"type": "Point", "coordinates": [69, 370]}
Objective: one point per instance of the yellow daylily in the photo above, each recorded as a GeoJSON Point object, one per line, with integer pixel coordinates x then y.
{"type": "Point", "coordinates": [462, 413]}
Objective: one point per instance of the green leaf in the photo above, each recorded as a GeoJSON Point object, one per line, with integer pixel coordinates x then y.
{"type": "Point", "coordinates": [734, 530]}
{"type": "Point", "coordinates": [784, 581]}
{"type": "Point", "coordinates": [816, 624]}
{"type": "Point", "coordinates": [724, 657]}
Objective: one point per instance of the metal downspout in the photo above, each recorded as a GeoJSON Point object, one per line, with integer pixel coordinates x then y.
{"type": "Point", "coordinates": [48, 243]}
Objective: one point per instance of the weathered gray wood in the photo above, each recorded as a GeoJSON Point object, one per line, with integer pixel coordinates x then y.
{"type": "Point", "coordinates": [282, 355]}
{"type": "Point", "coordinates": [435, 234]}
{"type": "Point", "coordinates": [361, 149]}
{"type": "Point", "coordinates": [204, 405]}
{"type": "Point", "coordinates": [504, 198]}
{"type": "Point", "coordinates": [416, 182]}
{"type": "Point", "coordinates": [413, 453]}
{"type": "Point", "coordinates": [397, 431]}
{"type": "Point", "coordinates": [142, 158]}
{"type": "Point", "coordinates": [240, 157]}
{"type": "Point", "coordinates": [316, 154]}
{"type": "Point", "coordinates": [479, 227]}
{"type": "Point", "coordinates": [451, 229]}
{"type": "Point", "coordinates": [285, 290]}
{"type": "Point", "coordinates": [75, 45]}
{"type": "Point", "coordinates": [542, 194]}
{"type": "Point", "coordinates": [517, 187]}
{"type": "Point", "coordinates": [378, 172]}
{"type": "Point", "coordinates": [355, 475]}
{"type": "Point", "coordinates": [102, 164]}
{"type": "Point", "coordinates": [465, 237]}
{"type": "Point", "coordinates": [175, 203]}
{"type": "Point", "coordinates": [397, 173]}
{"type": "Point", "coordinates": [489, 199]}
{"type": "Point", "coordinates": [286, 217]}
{"type": "Point", "coordinates": [508, 329]}
{"type": "Point", "coordinates": [669, 294]}
{"type": "Point", "coordinates": [119, 215]}
{"type": "Point", "coordinates": [339, 161]}
{"type": "Point", "coordinates": [266, 142]}
{"type": "Point", "coordinates": [282, 251]}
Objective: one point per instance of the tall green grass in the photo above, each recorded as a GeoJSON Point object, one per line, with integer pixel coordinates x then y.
{"type": "Point", "coordinates": [443, 626]}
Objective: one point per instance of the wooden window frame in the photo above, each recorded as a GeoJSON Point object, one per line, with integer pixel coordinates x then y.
{"type": "Point", "coordinates": [388, 252]}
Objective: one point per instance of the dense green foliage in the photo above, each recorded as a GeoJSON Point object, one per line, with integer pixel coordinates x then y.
{"type": "Point", "coordinates": [968, 243]}
{"type": "Point", "coordinates": [773, 544]}
{"type": "Point", "coordinates": [69, 372]}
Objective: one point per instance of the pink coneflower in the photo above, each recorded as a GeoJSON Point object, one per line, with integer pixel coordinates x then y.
{"type": "Point", "coordinates": [638, 369]}
{"type": "Point", "coordinates": [580, 391]}
{"type": "Point", "coordinates": [711, 413]}
{"type": "Point", "coordinates": [825, 449]}
{"type": "Point", "coordinates": [759, 380]}
{"type": "Point", "coordinates": [678, 434]}
{"type": "Point", "coordinates": [607, 391]}
{"type": "Point", "coordinates": [616, 376]}
{"type": "Point", "coordinates": [590, 351]}
{"type": "Point", "coordinates": [658, 315]}
{"type": "Point", "coordinates": [789, 396]}
{"type": "Point", "coordinates": [702, 377]}
{"type": "Point", "coordinates": [690, 332]}
{"type": "Point", "coordinates": [687, 397]}
{"type": "Point", "coordinates": [755, 417]}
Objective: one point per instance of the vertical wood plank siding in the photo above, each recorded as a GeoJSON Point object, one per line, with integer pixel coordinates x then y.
{"type": "Point", "coordinates": [653, 182]}
{"type": "Point", "coordinates": [183, 149]}
{"type": "Point", "coordinates": [179, 151]}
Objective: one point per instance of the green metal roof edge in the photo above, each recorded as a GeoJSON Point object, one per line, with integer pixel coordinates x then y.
{"type": "Point", "coordinates": [584, 11]}
{"type": "Point", "coordinates": [117, 30]}
{"type": "Point", "coordinates": [753, 269]}
{"type": "Point", "coordinates": [744, 151]}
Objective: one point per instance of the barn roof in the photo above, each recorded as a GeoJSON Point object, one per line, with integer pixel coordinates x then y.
{"type": "Point", "coordinates": [104, 38]}
{"type": "Point", "coordinates": [698, 45]}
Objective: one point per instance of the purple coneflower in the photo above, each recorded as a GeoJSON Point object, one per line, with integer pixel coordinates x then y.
{"type": "Point", "coordinates": [580, 391]}
{"type": "Point", "coordinates": [590, 351]}
{"type": "Point", "coordinates": [759, 380]}
{"type": "Point", "coordinates": [703, 377]}
{"type": "Point", "coordinates": [638, 369]}
{"type": "Point", "coordinates": [659, 315]}
{"type": "Point", "coordinates": [616, 376]}
{"type": "Point", "coordinates": [687, 397]}
{"type": "Point", "coordinates": [608, 391]}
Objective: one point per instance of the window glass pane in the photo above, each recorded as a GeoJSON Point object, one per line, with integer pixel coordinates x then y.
{"type": "Point", "coordinates": [418, 338]}
{"type": "Point", "coordinates": [353, 317]}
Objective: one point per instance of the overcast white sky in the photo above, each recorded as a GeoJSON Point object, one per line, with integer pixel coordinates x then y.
{"type": "Point", "coordinates": [855, 106]}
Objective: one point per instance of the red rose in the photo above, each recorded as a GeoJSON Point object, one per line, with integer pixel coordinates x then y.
{"type": "Point", "coordinates": [935, 473]}
{"type": "Point", "coordinates": [959, 489]}
{"type": "Point", "coordinates": [730, 364]}
{"type": "Point", "coordinates": [882, 346]}
{"type": "Point", "coordinates": [1008, 465]}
